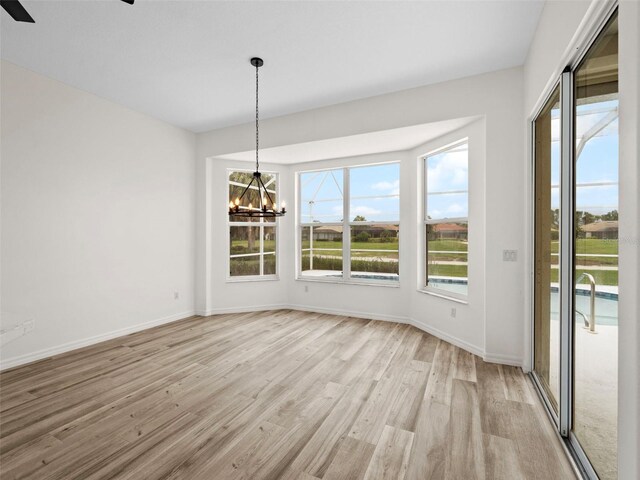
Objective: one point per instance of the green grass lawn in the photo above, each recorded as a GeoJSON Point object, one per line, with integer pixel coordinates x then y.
{"type": "Point", "coordinates": [241, 246]}
{"type": "Point", "coordinates": [448, 245]}
{"type": "Point", "coordinates": [591, 245]}
{"type": "Point", "coordinates": [448, 270]}
{"type": "Point", "coordinates": [326, 258]}
{"type": "Point", "coordinates": [357, 245]}
{"type": "Point", "coordinates": [320, 248]}
{"type": "Point", "coordinates": [602, 277]}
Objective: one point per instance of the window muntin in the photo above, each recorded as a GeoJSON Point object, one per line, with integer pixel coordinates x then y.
{"type": "Point", "coordinates": [350, 225]}
{"type": "Point", "coordinates": [252, 241]}
{"type": "Point", "coordinates": [446, 219]}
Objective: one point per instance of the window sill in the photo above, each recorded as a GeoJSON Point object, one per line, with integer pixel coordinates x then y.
{"type": "Point", "coordinates": [444, 296]}
{"type": "Point", "coordinates": [253, 278]}
{"type": "Point", "coordinates": [349, 282]}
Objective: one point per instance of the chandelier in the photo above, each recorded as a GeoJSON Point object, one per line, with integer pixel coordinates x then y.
{"type": "Point", "coordinates": [267, 206]}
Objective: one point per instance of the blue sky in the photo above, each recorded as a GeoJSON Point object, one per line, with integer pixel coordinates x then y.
{"type": "Point", "coordinates": [447, 178]}
{"type": "Point", "coordinates": [375, 194]}
{"type": "Point", "coordinates": [597, 163]}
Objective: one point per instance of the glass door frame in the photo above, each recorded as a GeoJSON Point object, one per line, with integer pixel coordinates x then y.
{"type": "Point", "coordinates": [563, 420]}
{"type": "Point", "coordinates": [537, 382]}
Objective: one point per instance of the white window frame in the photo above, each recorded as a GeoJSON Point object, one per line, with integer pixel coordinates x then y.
{"type": "Point", "coordinates": [424, 287]}
{"type": "Point", "coordinates": [346, 225]}
{"type": "Point", "coordinates": [261, 277]}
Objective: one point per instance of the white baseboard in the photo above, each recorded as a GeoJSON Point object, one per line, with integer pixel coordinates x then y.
{"type": "Point", "coordinates": [48, 352]}
{"type": "Point", "coordinates": [350, 313]}
{"type": "Point", "coordinates": [502, 359]}
{"type": "Point", "coordinates": [255, 308]}
{"type": "Point", "coordinates": [85, 342]}
{"type": "Point", "coordinates": [448, 338]}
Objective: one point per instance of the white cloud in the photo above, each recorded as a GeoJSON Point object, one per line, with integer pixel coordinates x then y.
{"type": "Point", "coordinates": [389, 188]}
{"type": "Point", "coordinates": [450, 173]}
{"type": "Point", "coordinates": [455, 208]}
{"type": "Point", "coordinates": [364, 211]}
{"type": "Point", "coordinates": [393, 188]}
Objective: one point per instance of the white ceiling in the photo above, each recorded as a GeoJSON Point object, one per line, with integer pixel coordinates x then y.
{"type": "Point", "coordinates": [187, 62]}
{"type": "Point", "coordinates": [395, 140]}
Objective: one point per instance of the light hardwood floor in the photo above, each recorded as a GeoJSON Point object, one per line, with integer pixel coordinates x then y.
{"type": "Point", "coordinates": [279, 394]}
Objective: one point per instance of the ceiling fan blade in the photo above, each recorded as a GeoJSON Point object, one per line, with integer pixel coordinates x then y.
{"type": "Point", "coordinates": [130, 2]}
{"type": "Point", "coordinates": [17, 11]}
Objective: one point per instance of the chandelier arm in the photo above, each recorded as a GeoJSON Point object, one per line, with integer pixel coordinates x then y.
{"type": "Point", "coordinates": [267, 193]}
{"type": "Point", "coordinates": [247, 188]}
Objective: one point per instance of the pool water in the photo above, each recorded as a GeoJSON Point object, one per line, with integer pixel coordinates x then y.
{"type": "Point", "coordinates": [606, 308]}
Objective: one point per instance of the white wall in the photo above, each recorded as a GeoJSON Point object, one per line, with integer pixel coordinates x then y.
{"type": "Point", "coordinates": [97, 216]}
{"type": "Point", "coordinates": [558, 29]}
{"type": "Point", "coordinates": [497, 97]}
{"type": "Point", "coordinates": [432, 313]}
{"type": "Point", "coordinates": [564, 27]}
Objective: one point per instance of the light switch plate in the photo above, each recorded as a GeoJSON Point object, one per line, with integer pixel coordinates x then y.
{"type": "Point", "coordinates": [509, 255]}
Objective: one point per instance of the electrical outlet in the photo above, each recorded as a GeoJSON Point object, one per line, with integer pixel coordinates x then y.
{"type": "Point", "coordinates": [176, 295]}
{"type": "Point", "coordinates": [509, 255]}
{"type": "Point", "coordinates": [453, 312]}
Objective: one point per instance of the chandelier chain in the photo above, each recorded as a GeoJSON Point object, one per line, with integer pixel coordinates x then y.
{"type": "Point", "coordinates": [257, 122]}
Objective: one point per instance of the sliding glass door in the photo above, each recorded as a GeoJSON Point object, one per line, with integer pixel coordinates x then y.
{"type": "Point", "coordinates": [576, 254]}
{"type": "Point", "coordinates": [546, 248]}
{"type": "Point", "coordinates": [595, 339]}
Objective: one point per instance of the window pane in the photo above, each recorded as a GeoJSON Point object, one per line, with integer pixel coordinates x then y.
{"type": "Point", "coordinates": [447, 172]}
{"type": "Point", "coordinates": [595, 416]}
{"type": "Point", "coordinates": [375, 193]}
{"type": "Point", "coordinates": [448, 205]}
{"type": "Point", "coordinates": [242, 266]}
{"type": "Point", "coordinates": [238, 181]}
{"type": "Point", "coordinates": [270, 181]}
{"type": "Point", "coordinates": [269, 239]}
{"type": "Point", "coordinates": [546, 248]}
{"type": "Point", "coordinates": [321, 196]}
{"type": "Point", "coordinates": [447, 256]}
{"type": "Point", "coordinates": [321, 254]}
{"type": "Point", "coordinates": [374, 252]}
{"type": "Point", "coordinates": [329, 211]}
{"type": "Point", "coordinates": [269, 264]}
{"type": "Point", "coordinates": [244, 240]}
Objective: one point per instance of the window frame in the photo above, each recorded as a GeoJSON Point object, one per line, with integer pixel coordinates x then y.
{"type": "Point", "coordinates": [424, 223]}
{"type": "Point", "coordinates": [346, 225]}
{"type": "Point", "coordinates": [261, 224]}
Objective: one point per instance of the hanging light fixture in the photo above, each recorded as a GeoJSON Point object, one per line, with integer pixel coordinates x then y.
{"type": "Point", "coordinates": [267, 206]}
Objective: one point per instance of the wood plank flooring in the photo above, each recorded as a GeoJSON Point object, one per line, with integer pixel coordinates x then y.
{"type": "Point", "coordinates": [271, 395]}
